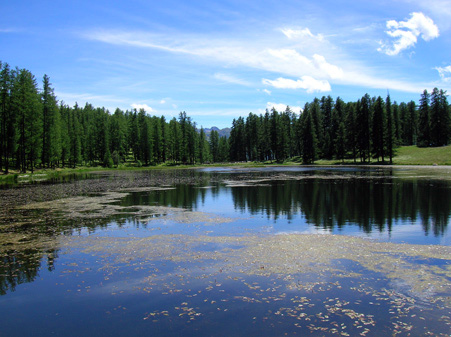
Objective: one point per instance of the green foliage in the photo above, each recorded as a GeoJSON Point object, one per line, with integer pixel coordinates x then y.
{"type": "Point", "coordinates": [36, 132]}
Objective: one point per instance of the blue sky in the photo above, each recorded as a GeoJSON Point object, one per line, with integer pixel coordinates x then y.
{"type": "Point", "coordinates": [218, 60]}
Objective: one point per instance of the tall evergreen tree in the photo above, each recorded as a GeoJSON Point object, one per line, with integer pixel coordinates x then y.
{"type": "Point", "coordinates": [339, 129]}
{"type": "Point", "coordinates": [174, 141]}
{"type": "Point", "coordinates": [145, 138]}
{"type": "Point", "coordinates": [8, 135]}
{"type": "Point", "coordinates": [309, 139]}
{"type": "Point", "coordinates": [51, 122]}
{"type": "Point", "coordinates": [237, 139]}
{"type": "Point", "coordinates": [390, 131]}
{"type": "Point", "coordinates": [204, 147]}
{"type": "Point", "coordinates": [351, 129]}
{"type": "Point", "coordinates": [439, 118]}
{"type": "Point", "coordinates": [214, 145]}
{"type": "Point", "coordinates": [363, 130]}
{"type": "Point", "coordinates": [74, 132]}
{"type": "Point", "coordinates": [378, 129]}
{"type": "Point", "coordinates": [26, 105]}
{"type": "Point", "coordinates": [224, 150]}
{"type": "Point", "coordinates": [327, 146]}
{"type": "Point", "coordinates": [424, 133]}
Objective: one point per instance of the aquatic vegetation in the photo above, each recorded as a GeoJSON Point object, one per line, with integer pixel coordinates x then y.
{"type": "Point", "coordinates": [172, 259]}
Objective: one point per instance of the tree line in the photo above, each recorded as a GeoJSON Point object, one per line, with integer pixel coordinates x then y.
{"type": "Point", "coordinates": [366, 130]}
{"type": "Point", "coordinates": [37, 131]}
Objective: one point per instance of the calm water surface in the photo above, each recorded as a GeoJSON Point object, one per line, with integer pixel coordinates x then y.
{"type": "Point", "coordinates": [99, 275]}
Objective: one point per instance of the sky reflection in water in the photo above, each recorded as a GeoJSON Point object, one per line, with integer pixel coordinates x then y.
{"type": "Point", "coordinates": [168, 277]}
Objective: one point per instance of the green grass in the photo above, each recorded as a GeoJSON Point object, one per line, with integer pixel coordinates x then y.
{"type": "Point", "coordinates": [407, 155]}
{"type": "Point", "coordinates": [412, 155]}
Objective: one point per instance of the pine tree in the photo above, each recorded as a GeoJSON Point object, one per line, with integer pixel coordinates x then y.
{"type": "Point", "coordinates": [224, 150]}
{"type": "Point", "coordinates": [174, 141]}
{"type": "Point", "coordinates": [378, 129]}
{"type": "Point", "coordinates": [317, 118]}
{"type": "Point", "coordinates": [424, 134]}
{"type": "Point", "coordinates": [8, 133]}
{"type": "Point", "coordinates": [26, 106]}
{"type": "Point", "coordinates": [74, 132]}
{"type": "Point", "coordinates": [390, 131]}
{"type": "Point", "coordinates": [439, 118]}
{"type": "Point", "coordinates": [118, 136]}
{"type": "Point", "coordinates": [339, 129]}
{"type": "Point", "coordinates": [164, 138]}
{"type": "Point", "coordinates": [309, 139]}
{"type": "Point", "coordinates": [351, 130]}
{"type": "Point", "coordinates": [133, 133]}
{"type": "Point", "coordinates": [363, 130]}
{"type": "Point", "coordinates": [51, 130]}
{"type": "Point", "coordinates": [145, 138]}
{"type": "Point", "coordinates": [204, 147]}
{"type": "Point", "coordinates": [327, 147]}
{"type": "Point", "coordinates": [214, 145]}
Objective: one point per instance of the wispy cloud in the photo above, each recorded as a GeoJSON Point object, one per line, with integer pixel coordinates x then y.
{"type": "Point", "coordinates": [230, 79]}
{"type": "Point", "coordinates": [445, 73]}
{"type": "Point", "coordinates": [72, 98]}
{"type": "Point", "coordinates": [307, 83]}
{"type": "Point", "coordinates": [301, 34]}
{"type": "Point", "coordinates": [276, 58]}
{"type": "Point", "coordinates": [405, 33]}
{"type": "Point", "coordinates": [315, 71]}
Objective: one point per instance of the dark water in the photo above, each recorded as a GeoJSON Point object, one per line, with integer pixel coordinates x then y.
{"type": "Point", "coordinates": [69, 291]}
{"type": "Point", "coordinates": [367, 203]}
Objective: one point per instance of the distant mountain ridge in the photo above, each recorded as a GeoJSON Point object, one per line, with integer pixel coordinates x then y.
{"type": "Point", "coordinates": [222, 132]}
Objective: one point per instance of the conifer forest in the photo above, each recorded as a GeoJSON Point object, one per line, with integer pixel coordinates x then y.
{"type": "Point", "coordinates": [38, 131]}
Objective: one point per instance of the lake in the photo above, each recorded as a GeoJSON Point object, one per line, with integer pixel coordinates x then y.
{"type": "Point", "coordinates": [267, 251]}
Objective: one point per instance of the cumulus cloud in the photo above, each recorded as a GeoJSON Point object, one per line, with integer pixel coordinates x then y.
{"type": "Point", "coordinates": [301, 33]}
{"type": "Point", "coordinates": [331, 70]}
{"type": "Point", "coordinates": [280, 107]}
{"type": "Point", "coordinates": [445, 73]}
{"type": "Point", "coordinates": [147, 108]}
{"type": "Point", "coordinates": [307, 83]}
{"type": "Point", "coordinates": [405, 33]}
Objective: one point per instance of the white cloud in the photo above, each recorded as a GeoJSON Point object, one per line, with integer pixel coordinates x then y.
{"type": "Point", "coordinates": [230, 79]}
{"type": "Point", "coordinates": [331, 70]}
{"type": "Point", "coordinates": [406, 33]}
{"type": "Point", "coordinates": [445, 73]}
{"type": "Point", "coordinates": [267, 91]}
{"type": "Point", "coordinates": [281, 107]}
{"type": "Point", "coordinates": [278, 56]}
{"type": "Point", "coordinates": [71, 98]}
{"type": "Point", "coordinates": [307, 83]}
{"type": "Point", "coordinates": [228, 52]}
{"type": "Point", "coordinates": [163, 101]}
{"type": "Point", "coordinates": [300, 34]}
{"type": "Point", "coordinates": [147, 108]}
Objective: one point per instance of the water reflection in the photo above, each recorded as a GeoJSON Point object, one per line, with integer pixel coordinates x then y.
{"type": "Point", "coordinates": [369, 201]}
{"type": "Point", "coordinates": [370, 204]}
{"type": "Point", "coordinates": [18, 267]}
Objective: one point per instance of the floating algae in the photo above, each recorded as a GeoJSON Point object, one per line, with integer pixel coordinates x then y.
{"type": "Point", "coordinates": [106, 205]}
{"type": "Point", "coordinates": [291, 255]}
{"type": "Point", "coordinates": [323, 284]}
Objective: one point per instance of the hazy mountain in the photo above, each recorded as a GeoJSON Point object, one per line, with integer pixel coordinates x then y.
{"type": "Point", "coordinates": [221, 132]}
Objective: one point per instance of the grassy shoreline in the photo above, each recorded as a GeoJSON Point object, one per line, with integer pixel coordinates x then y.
{"type": "Point", "coordinates": [404, 156]}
